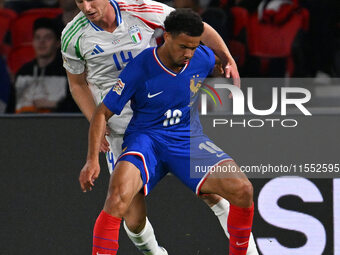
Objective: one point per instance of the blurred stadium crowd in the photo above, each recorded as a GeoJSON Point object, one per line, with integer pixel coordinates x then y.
{"type": "Point", "coordinates": [267, 38]}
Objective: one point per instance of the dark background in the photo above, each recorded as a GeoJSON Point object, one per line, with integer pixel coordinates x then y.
{"type": "Point", "coordinates": [43, 210]}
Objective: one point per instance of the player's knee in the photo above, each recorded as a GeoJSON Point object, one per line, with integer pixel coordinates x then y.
{"type": "Point", "coordinates": [239, 191]}
{"type": "Point", "coordinates": [117, 201]}
{"type": "Point", "coordinates": [244, 193]}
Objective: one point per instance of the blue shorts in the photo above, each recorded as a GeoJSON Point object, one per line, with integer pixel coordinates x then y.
{"type": "Point", "coordinates": [188, 159]}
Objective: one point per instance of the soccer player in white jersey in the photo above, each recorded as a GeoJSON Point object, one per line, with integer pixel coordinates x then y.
{"type": "Point", "coordinates": [96, 45]}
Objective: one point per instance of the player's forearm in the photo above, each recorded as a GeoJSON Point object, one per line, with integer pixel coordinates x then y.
{"type": "Point", "coordinates": [96, 132]}
{"type": "Point", "coordinates": [215, 42]}
{"type": "Point", "coordinates": [84, 99]}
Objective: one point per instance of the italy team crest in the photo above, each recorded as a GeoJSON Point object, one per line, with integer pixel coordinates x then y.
{"type": "Point", "coordinates": [135, 34]}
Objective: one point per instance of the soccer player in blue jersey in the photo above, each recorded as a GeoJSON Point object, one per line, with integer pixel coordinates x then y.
{"type": "Point", "coordinates": [164, 135]}
{"type": "Point", "coordinates": [96, 46]}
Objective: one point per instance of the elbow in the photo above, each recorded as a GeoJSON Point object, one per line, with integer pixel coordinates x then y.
{"type": "Point", "coordinates": [72, 88]}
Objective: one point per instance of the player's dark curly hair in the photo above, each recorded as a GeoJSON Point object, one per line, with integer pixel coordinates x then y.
{"type": "Point", "coordinates": [184, 21]}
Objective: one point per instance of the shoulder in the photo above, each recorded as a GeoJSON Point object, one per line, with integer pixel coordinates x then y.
{"type": "Point", "coordinates": [205, 55]}
{"type": "Point", "coordinates": [73, 31]}
{"type": "Point", "coordinates": [204, 59]}
{"type": "Point", "coordinates": [204, 51]}
{"type": "Point", "coordinates": [151, 12]}
{"type": "Point", "coordinates": [140, 65]}
{"type": "Point", "coordinates": [145, 55]}
{"type": "Point", "coordinates": [143, 58]}
{"type": "Point", "coordinates": [141, 5]}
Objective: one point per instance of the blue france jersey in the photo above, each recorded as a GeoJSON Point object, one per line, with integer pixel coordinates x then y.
{"type": "Point", "coordinates": [162, 101]}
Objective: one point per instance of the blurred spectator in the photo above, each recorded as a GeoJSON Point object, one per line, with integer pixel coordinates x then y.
{"type": "Point", "coordinates": [216, 18]}
{"type": "Point", "coordinates": [49, 3]}
{"type": "Point", "coordinates": [70, 10]}
{"type": "Point", "coordinates": [23, 5]}
{"type": "Point", "coordinates": [210, 11]}
{"type": "Point", "coordinates": [275, 36]}
{"type": "Point", "coordinates": [250, 5]}
{"type": "Point", "coordinates": [42, 84]}
{"type": "Point", "coordinates": [193, 4]}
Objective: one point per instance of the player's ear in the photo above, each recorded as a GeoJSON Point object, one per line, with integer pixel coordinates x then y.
{"type": "Point", "coordinates": [166, 36]}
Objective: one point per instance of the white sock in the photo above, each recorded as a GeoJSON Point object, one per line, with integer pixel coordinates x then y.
{"type": "Point", "coordinates": [221, 210]}
{"type": "Point", "coordinates": [145, 241]}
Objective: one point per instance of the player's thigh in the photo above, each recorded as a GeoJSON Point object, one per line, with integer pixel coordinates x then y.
{"type": "Point", "coordinates": [226, 177]}
{"type": "Point", "coordinates": [192, 163]}
{"type": "Point", "coordinates": [232, 185]}
{"type": "Point", "coordinates": [141, 150]}
{"type": "Point", "coordinates": [125, 182]}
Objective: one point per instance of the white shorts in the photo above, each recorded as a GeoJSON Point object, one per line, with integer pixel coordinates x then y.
{"type": "Point", "coordinates": [117, 124]}
{"type": "Point", "coordinates": [115, 142]}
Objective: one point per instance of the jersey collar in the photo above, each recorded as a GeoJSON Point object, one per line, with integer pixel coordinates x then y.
{"type": "Point", "coordinates": [164, 67]}
{"type": "Point", "coordinates": [117, 12]}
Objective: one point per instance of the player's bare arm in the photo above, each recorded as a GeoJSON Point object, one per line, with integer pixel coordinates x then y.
{"type": "Point", "coordinates": [91, 170]}
{"type": "Point", "coordinates": [81, 93]}
{"type": "Point", "coordinates": [214, 41]}
{"type": "Point", "coordinates": [218, 68]}
{"type": "Point", "coordinates": [83, 97]}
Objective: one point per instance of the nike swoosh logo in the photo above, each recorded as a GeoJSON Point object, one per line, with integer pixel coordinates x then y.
{"type": "Point", "coordinates": [220, 155]}
{"type": "Point", "coordinates": [237, 243]}
{"type": "Point", "coordinates": [153, 95]}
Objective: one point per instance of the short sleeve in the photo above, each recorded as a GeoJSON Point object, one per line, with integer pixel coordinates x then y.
{"type": "Point", "coordinates": [209, 55]}
{"type": "Point", "coordinates": [124, 88]}
{"type": "Point", "coordinates": [73, 61]}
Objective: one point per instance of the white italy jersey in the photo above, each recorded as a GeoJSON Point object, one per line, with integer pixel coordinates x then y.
{"type": "Point", "coordinates": [87, 47]}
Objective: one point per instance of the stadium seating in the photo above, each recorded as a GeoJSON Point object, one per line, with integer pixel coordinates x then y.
{"type": "Point", "coordinates": [18, 56]}
{"type": "Point", "coordinates": [272, 40]}
{"type": "Point", "coordinates": [9, 13]}
{"type": "Point", "coordinates": [4, 26]}
{"type": "Point", "coordinates": [273, 37]}
{"type": "Point", "coordinates": [237, 43]}
{"type": "Point", "coordinates": [22, 27]}
{"type": "Point", "coordinates": [6, 18]}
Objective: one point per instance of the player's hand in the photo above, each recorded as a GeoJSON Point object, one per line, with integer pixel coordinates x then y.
{"type": "Point", "coordinates": [88, 175]}
{"type": "Point", "coordinates": [104, 146]}
{"type": "Point", "coordinates": [231, 71]}
{"type": "Point", "coordinates": [218, 70]}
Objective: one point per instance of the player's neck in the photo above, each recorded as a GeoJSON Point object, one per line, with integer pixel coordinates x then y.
{"type": "Point", "coordinates": [166, 60]}
{"type": "Point", "coordinates": [109, 21]}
